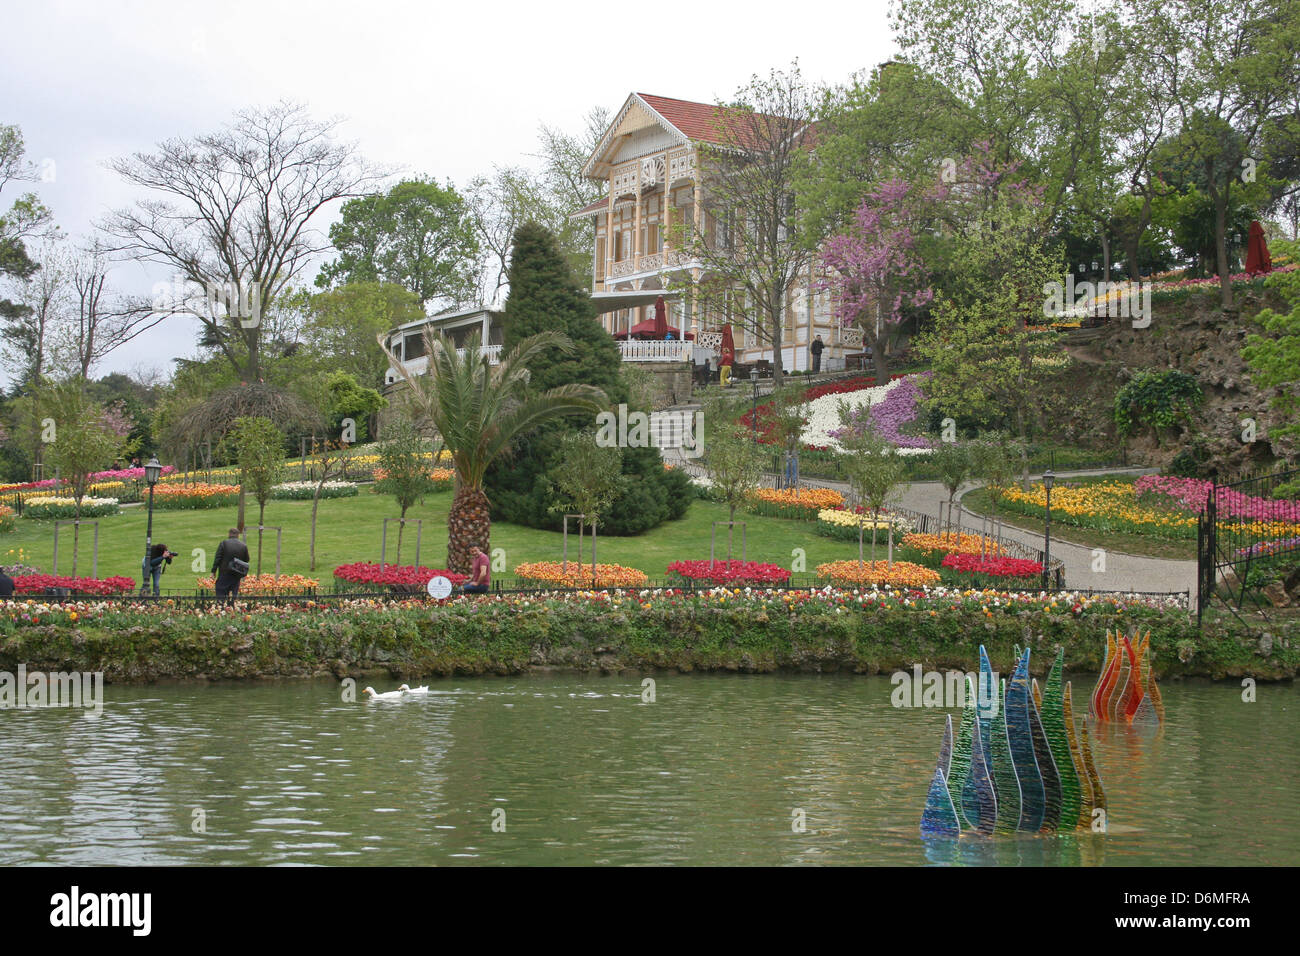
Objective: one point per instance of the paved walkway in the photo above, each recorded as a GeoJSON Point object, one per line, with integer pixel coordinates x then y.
{"type": "Point", "coordinates": [1123, 572]}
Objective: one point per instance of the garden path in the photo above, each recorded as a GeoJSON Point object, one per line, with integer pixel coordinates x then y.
{"type": "Point", "coordinates": [1123, 572]}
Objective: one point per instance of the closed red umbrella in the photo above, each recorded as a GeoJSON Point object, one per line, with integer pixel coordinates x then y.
{"type": "Point", "coordinates": [1258, 261]}
{"type": "Point", "coordinates": [727, 350]}
{"type": "Point", "coordinates": [661, 319]}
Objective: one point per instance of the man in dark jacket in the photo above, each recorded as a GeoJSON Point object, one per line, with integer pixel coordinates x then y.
{"type": "Point", "coordinates": [228, 578]}
{"type": "Point", "coordinates": [6, 585]}
{"type": "Point", "coordinates": [816, 350]}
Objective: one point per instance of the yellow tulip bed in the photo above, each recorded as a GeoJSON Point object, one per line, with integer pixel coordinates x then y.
{"type": "Point", "coordinates": [880, 573]}
{"type": "Point", "coordinates": [1105, 506]}
{"type": "Point", "coordinates": [255, 584]}
{"type": "Point", "coordinates": [553, 574]}
{"type": "Point", "coordinates": [844, 524]}
{"type": "Point", "coordinates": [798, 503]}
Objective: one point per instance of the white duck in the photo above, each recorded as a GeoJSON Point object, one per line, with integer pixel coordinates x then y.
{"type": "Point", "coordinates": [407, 689]}
{"type": "Point", "coordinates": [374, 695]}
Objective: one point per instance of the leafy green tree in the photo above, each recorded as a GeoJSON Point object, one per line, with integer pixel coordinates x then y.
{"type": "Point", "coordinates": [479, 410]}
{"type": "Point", "coordinates": [1230, 68]}
{"type": "Point", "coordinates": [1274, 357]}
{"type": "Point", "coordinates": [589, 477]}
{"type": "Point", "coordinates": [545, 296]}
{"type": "Point", "coordinates": [874, 469]}
{"type": "Point", "coordinates": [419, 235]}
{"type": "Point", "coordinates": [991, 354]}
{"type": "Point", "coordinates": [342, 324]}
{"type": "Point", "coordinates": [407, 459]}
{"type": "Point", "coordinates": [86, 439]}
{"type": "Point", "coordinates": [734, 460]}
{"type": "Point", "coordinates": [258, 447]}
{"type": "Point", "coordinates": [994, 460]}
{"type": "Point", "coordinates": [952, 460]}
{"type": "Point", "coordinates": [748, 238]}
{"type": "Point", "coordinates": [350, 400]}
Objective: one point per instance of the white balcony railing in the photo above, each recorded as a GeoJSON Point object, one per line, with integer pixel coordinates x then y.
{"type": "Point", "coordinates": [673, 351]}
{"type": "Point", "coordinates": [418, 366]}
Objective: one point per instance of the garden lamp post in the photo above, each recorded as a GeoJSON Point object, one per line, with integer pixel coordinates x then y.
{"type": "Point", "coordinates": [1048, 478]}
{"type": "Point", "coordinates": [754, 378]}
{"type": "Point", "coordinates": [151, 472]}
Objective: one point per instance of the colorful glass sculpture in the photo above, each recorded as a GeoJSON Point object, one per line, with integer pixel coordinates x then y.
{"type": "Point", "coordinates": [1027, 767]}
{"type": "Point", "coordinates": [1126, 690]}
{"type": "Point", "coordinates": [1053, 718]}
{"type": "Point", "coordinates": [1006, 785]}
{"type": "Point", "coordinates": [1020, 737]}
{"type": "Point", "coordinates": [979, 802]}
{"type": "Point", "coordinates": [940, 816]}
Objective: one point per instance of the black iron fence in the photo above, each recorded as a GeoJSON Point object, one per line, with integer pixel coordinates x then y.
{"type": "Point", "coordinates": [1241, 534]}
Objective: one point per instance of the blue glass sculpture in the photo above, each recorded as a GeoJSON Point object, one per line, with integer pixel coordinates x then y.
{"type": "Point", "coordinates": [940, 816]}
{"type": "Point", "coordinates": [1020, 738]}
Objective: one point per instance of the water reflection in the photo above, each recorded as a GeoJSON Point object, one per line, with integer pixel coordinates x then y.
{"type": "Point", "coordinates": [719, 770]}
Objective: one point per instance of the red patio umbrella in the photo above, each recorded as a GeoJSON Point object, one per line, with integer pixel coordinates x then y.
{"type": "Point", "coordinates": [661, 319]}
{"type": "Point", "coordinates": [727, 350]}
{"type": "Point", "coordinates": [1258, 261]}
{"type": "Point", "coordinates": [648, 330]}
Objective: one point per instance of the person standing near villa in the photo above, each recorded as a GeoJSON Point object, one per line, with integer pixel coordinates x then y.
{"type": "Point", "coordinates": [816, 350]}
{"type": "Point", "coordinates": [479, 576]}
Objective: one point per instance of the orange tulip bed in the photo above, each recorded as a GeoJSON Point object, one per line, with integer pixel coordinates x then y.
{"type": "Point", "coordinates": [879, 573]}
{"type": "Point", "coordinates": [799, 503]}
{"type": "Point", "coordinates": [552, 574]}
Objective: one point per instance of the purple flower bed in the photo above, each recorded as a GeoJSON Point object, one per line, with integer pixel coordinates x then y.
{"type": "Point", "coordinates": [899, 409]}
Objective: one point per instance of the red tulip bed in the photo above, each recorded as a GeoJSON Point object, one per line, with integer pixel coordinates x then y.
{"type": "Point", "coordinates": [1006, 570]}
{"type": "Point", "coordinates": [403, 579]}
{"type": "Point", "coordinates": [750, 573]}
{"type": "Point", "coordinates": [105, 587]}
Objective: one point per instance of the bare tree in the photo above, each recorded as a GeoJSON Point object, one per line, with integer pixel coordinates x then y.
{"type": "Point", "coordinates": [748, 242]}
{"type": "Point", "coordinates": [232, 216]}
{"type": "Point", "coordinates": [98, 321]}
{"type": "Point", "coordinates": [45, 296]}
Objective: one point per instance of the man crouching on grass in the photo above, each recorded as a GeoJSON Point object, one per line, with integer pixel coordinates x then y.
{"type": "Point", "coordinates": [478, 575]}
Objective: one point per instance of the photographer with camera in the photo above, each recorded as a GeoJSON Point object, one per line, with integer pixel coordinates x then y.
{"type": "Point", "coordinates": [154, 566]}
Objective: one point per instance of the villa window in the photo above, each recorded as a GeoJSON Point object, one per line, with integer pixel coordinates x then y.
{"type": "Point", "coordinates": [413, 346]}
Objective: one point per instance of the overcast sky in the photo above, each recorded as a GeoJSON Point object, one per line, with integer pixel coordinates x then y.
{"type": "Point", "coordinates": [437, 89]}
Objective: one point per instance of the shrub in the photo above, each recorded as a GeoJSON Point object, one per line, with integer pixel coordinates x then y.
{"type": "Point", "coordinates": [7, 522]}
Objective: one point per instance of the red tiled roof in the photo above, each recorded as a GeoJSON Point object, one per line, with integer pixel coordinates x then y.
{"type": "Point", "coordinates": [697, 121]}
{"type": "Point", "coordinates": [598, 205]}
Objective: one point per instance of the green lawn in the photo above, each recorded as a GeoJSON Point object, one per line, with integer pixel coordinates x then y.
{"type": "Point", "coordinates": [349, 530]}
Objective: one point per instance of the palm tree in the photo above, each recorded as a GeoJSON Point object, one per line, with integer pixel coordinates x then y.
{"type": "Point", "coordinates": [479, 409]}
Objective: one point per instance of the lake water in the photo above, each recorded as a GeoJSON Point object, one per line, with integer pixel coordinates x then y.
{"type": "Point", "coordinates": [717, 770]}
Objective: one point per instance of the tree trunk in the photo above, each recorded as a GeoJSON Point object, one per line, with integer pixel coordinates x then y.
{"type": "Point", "coordinates": [239, 523]}
{"type": "Point", "coordinates": [1221, 248]}
{"type": "Point", "coordinates": [873, 545]}
{"type": "Point", "coordinates": [76, 538]}
{"type": "Point", "coordinates": [774, 316]}
{"type": "Point", "coordinates": [468, 524]}
{"type": "Point", "coordinates": [261, 512]}
{"type": "Point", "coordinates": [315, 504]}
{"type": "Point", "coordinates": [401, 526]}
